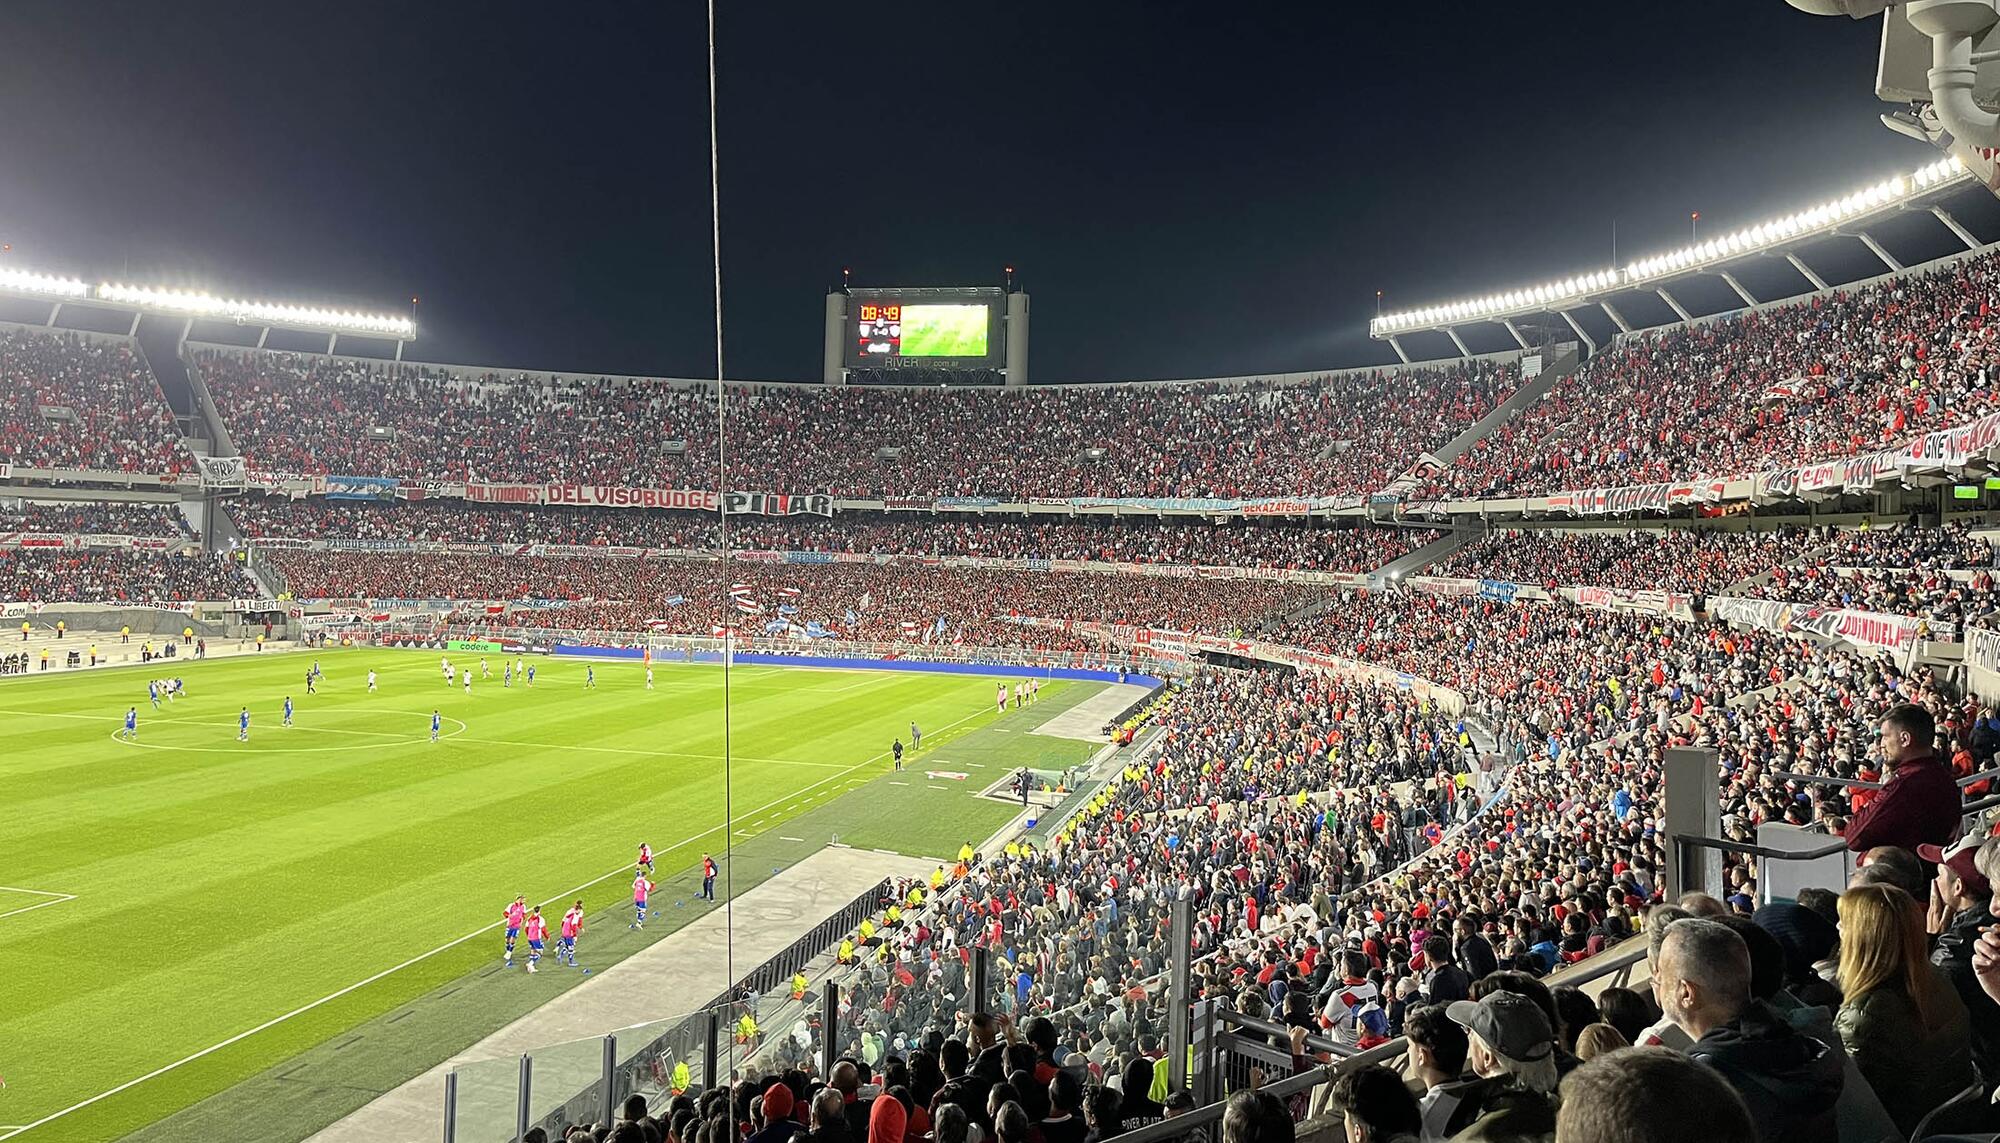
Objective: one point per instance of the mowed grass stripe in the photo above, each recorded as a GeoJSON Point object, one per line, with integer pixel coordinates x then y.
{"type": "Point", "coordinates": [217, 889]}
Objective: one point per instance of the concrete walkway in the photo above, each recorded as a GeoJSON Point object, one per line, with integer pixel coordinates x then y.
{"type": "Point", "coordinates": [1086, 720]}
{"type": "Point", "coordinates": [669, 979]}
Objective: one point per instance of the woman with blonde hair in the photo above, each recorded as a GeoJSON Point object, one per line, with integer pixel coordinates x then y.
{"type": "Point", "coordinates": [1901, 1020]}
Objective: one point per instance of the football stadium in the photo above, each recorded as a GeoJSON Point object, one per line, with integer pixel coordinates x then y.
{"type": "Point", "coordinates": [1482, 690]}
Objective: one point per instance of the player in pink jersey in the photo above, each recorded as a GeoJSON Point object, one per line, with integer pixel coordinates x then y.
{"type": "Point", "coordinates": [645, 857]}
{"type": "Point", "coordinates": [516, 914]}
{"type": "Point", "coordinates": [536, 929]}
{"type": "Point", "coordinates": [641, 889]}
{"type": "Point", "coordinates": [572, 924]}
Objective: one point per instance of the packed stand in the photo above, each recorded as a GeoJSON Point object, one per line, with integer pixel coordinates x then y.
{"type": "Point", "coordinates": [71, 576]}
{"type": "Point", "coordinates": [1340, 435]}
{"type": "Point", "coordinates": [67, 401]}
{"type": "Point", "coordinates": [867, 602]}
{"type": "Point", "coordinates": [1677, 560]}
{"type": "Point", "coordinates": [1855, 371]}
{"type": "Point", "coordinates": [1906, 570]}
{"type": "Point", "coordinates": [109, 518]}
{"type": "Point", "coordinates": [1129, 539]}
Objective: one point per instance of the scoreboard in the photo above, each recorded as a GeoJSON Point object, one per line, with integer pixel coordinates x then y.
{"type": "Point", "coordinates": [934, 328]}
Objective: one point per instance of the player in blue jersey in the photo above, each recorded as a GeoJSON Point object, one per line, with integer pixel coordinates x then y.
{"type": "Point", "coordinates": [531, 674]}
{"type": "Point", "coordinates": [589, 677]}
{"type": "Point", "coordinates": [243, 725]}
{"type": "Point", "coordinates": [153, 693]}
{"type": "Point", "coordinates": [132, 723]}
{"type": "Point", "coordinates": [507, 674]}
{"type": "Point", "coordinates": [288, 707]}
{"type": "Point", "coordinates": [435, 723]}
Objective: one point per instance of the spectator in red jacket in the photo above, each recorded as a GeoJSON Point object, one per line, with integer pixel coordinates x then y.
{"type": "Point", "coordinates": [1921, 803]}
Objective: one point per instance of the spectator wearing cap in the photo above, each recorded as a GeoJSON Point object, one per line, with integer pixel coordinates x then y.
{"type": "Point", "coordinates": [1920, 805]}
{"type": "Point", "coordinates": [1509, 1041]}
{"type": "Point", "coordinates": [1902, 1021]}
{"type": "Point", "coordinates": [1449, 1100]}
{"type": "Point", "coordinates": [1806, 938]}
{"type": "Point", "coordinates": [777, 1105]}
{"type": "Point", "coordinates": [1645, 1096]}
{"type": "Point", "coordinates": [1961, 906]}
{"type": "Point", "coordinates": [1788, 1080]}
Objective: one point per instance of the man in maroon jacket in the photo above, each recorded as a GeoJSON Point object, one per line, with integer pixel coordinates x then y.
{"type": "Point", "coordinates": [1920, 805]}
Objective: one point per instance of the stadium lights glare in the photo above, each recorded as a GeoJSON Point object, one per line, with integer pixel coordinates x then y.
{"type": "Point", "coordinates": [263, 313]}
{"type": "Point", "coordinates": [29, 282]}
{"type": "Point", "coordinates": [1749, 240]}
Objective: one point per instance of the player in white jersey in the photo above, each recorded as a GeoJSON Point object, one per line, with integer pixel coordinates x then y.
{"type": "Point", "coordinates": [468, 682]}
{"type": "Point", "coordinates": [485, 672]}
{"type": "Point", "coordinates": [649, 676]}
{"type": "Point", "coordinates": [371, 681]}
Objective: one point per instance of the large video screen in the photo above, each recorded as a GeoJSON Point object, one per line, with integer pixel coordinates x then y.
{"type": "Point", "coordinates": [885, 331]}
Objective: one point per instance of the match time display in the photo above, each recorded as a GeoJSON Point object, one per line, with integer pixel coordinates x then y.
{"type": "Point", "coordinates": [884, 331]}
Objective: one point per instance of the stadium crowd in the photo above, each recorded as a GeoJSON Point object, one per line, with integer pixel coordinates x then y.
{"type": "Point", "coordinates": [1335, 435]}
{"type": "Point", "coordinates": [67, 401]}
{"type": "Point", "coordinates": [107, 518]}
{"type": "Point", "coordinates": [69, 575]}
{"type": "Point", "coordinates": [1677, 560]}
{"type": "Point", "coordinates": [1853, 371]}
{"type": "Point", "coordinates": [1125, 539]}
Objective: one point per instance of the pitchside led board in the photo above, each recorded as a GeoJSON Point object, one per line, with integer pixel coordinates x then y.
{"type": "Point", "coordinates": [929, 328]}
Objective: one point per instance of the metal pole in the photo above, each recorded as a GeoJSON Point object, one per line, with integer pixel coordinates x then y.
{"type": "Point", "coordinates": [451, 1107]}
{"type": "Point", "coordinates": [608, 1098]}
{"type": "Point", "coordinates": [1180, 957]}
{"type": "Point", "coordinates": [976, 991]}
{"type": "Point", "coordinates": [829, 1025]}
{"type": "Point", "coordinates": [711, 1035]}
{"type": "Point", "coordinates": [521, 1109]}
{"type": "Point", "coordinates": [1203, 1079]}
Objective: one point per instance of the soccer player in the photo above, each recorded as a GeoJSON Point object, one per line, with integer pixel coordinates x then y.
{"type": "Point", "coordinates": [288, 705]}
{"type": "Point", "coordinates": [896, 750]}
{"type": "Point", "coordinates": [649, 676]}
{"type": "Point", "coordinates": [450, 675]}
{"type": "Point", "coordinates": [243, 725]}
{"type": "Point", "coordinates": [520, 665]}
{"type": "Point", "coordinates": [176, 690]}
{"type": "Point", "coordinates": [485, 672]}
{"type": "Point", "coordinates": [645, 857]}
{"type": "Point", "coordinates": [506, 674]}
{"type": "Point", "coordinates": [531, 675]}
{"type": "Point", "coordinates": [435, 721]}
{"type": "Point", "coordinates": [589, 677]}
{"type": "Point", "coordinates": [1003, 698]}
{"type": "Point", "coordinates": [707, 877]}
{"type": "Point", "coordinates": [534, 928]}
{"type": "Point", "coordinates": [132, 723]}
{"type": "Point", "coordinates": [572, 926]}
{"type": "Point", "coordinates": [371, 680]}
{"type": "Point", "coordinates": [641, 889]}
{"type": "Point", "coordinates": [468, 682]}
{"type": "Point", "coordinates": [916, 738]}
{"type": "Point", "coordinates": [309, 682]}
{"type": "Point", "coordinates": [516, 914]}
{"type": "Point", "coordinates": [153, 692]}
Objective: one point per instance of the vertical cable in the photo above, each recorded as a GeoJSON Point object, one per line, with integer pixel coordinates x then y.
{"type": "Point", "coordinates": [722, 516]}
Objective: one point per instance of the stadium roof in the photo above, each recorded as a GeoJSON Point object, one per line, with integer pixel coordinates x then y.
{"type": "Point", "coordinates": [199, 305]}
{"type": "Point", "coordinates": [1848, 215]}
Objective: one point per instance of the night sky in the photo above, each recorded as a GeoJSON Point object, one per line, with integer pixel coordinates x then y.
{"type": "Point", "coordinates": [1187, 189]}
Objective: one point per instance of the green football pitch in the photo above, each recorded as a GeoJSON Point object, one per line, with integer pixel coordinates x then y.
{"type": "Point", "coordinates": [944, 331]}
{"type": "Point", "coordinates": [182, 915]}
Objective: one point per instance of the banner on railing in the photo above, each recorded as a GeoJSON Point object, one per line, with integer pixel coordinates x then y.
{"type": "Point", "coordinates": [1982, 648]}
{"type": "Point", "coordinates": [1673, 604]}
{"type": "Point", "coordinates": [1636, 498]}
{"type": "Point", "coordinates": [1897, 634]}
{"type": "Point", "coordinates": [221, 471]}
{"type": "Point", "coordinates": [344, 487]}
{"type": "Point", "coordinates": [627, 496]}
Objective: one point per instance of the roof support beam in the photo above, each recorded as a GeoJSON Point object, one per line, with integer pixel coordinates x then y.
{"type": "Point", "coordinates": [1457, 340]}
{"type": "Point", "coordinates": [1515, 330]}
{"type": "Point", "coordinates": [332, 339]}
{"type": "Point", "coordinates": [134, 331]}
{"type": "Point", "coordinates": [1818, 282]}
{"type": "Point", "coordinates": [1951, 224]}
{"type": "Point", "coordinates": [261, 335]}
{"type": "Point", "coordinates": [1738, 287]}
{"type": "Point", "coordinates": [1393, 344]}
{"type": "Point", "coordinates": [1579, 330]}
{"type": "Point", "coordinates": [1875, 248]}
{"type": "Point", "coordinates": [55, 311]}
{"type": "Point", "coordinates": [1669, 299]}
{"type": "Point", "coordinates": [1617, 318]}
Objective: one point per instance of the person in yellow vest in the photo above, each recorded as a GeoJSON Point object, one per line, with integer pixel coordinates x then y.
{"type": "Point", "coordinates": [93, 654]}
{"type": "Point", "coordinates": [187, 634]}
{"type": "Point", "coordinates": [867, 929]}
{"type": "Point", "coordinates": [937, 878]}
{"type": "Point", "coordinates": [846, 955]}
{"type": "Point", "coordinates": [1013, 850]}
{"type": "Point", "coordinates": [893, 917]}
{"type": "Point", "coordinates": [746, 1030]}
{"type": "Point", "coordinates": [799, 985]}
{"type": "Point", "coordinates": [683, 1078]}
{"type": "Point", "coordinates": [62, 628]}
{"type": "Point", "coordinates": [24, 631]}
{"type": "Point", "coordinates": [916, 896]}
{"type": "Point", "coordinates": [965, 853]}
{"type": "Point", "coordinates": [45, 658]}
{"type": "Point", "coordinates": [260, 642]}
{"type": "Point", "coordinates": [125, 633]}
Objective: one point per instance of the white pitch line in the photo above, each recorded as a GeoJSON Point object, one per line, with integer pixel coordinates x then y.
{"type": "Point", "coordinates": [782, 837]}
{"type": "Point", "coordinates": [650, 753]}
{"type": "Point", "coordinates": [418, 959]}
{"type": "Point", "coordinates": [53, 899]}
